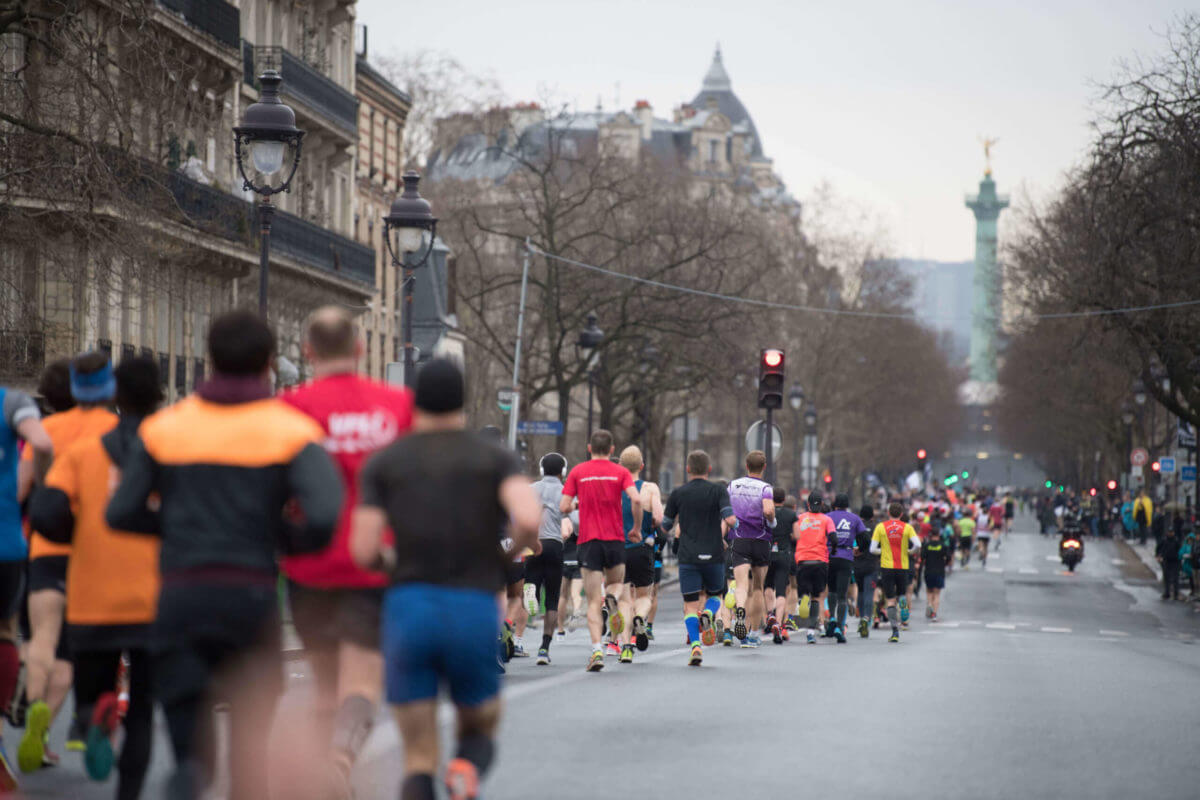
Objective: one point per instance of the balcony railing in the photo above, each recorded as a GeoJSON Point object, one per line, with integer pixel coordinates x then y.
{"type": "Point", "coordinates": [22, 354]}
{"type": "Point", "coordinates": [303, 83]}
{"type": "Point", "coordinates": [217, 18]}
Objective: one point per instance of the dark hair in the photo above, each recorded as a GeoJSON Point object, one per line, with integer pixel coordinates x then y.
{"type": "Point", "coordinates": [332, 333]}
{"type": "Point", "coordinates": [814, 501]}
{"type": "Point", "coordinates": [841, 501]}
{"type": "Point", "coordinates": [780, 494]}
{"type": "Point", "coordinates": [55, 385]}
{"type": "Point", "coordinates": [895, 510]}
{"type": "Point", "coordinates": [601, 442]}
{"type": "Point", "coordinates": [553, 464]}
{"type": "Point", "coordinates": [867, 512]}
{"type": "Point", "coordinates": [138, 388]}
{"type": "Point", "coordinates": [790, 501]}
{"type": "Point", "coordinates": [698, 463]}
{"type": "Point", "coordinates": [240, 343]}
{"type": "Point", "coordinates": [756, 461]}
{"type": "Point", "coordinates": [89, 362]}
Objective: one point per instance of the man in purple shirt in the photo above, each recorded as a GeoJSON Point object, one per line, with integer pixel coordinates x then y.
{"type": "Point", "coordinates": [753, 502]}
{"type": "Point", "coordinates": [847, 525]}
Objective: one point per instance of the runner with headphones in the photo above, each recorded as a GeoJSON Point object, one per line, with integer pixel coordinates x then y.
{"type": "Point", "coordinates": [545, 570]}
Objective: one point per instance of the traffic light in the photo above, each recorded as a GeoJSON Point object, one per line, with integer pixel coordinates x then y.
{"type": "Point", "coordinates": [770, 378]}
{"type": "Point", "coordinates": [965, 474]}
{"type": "Point", "coordinates": [1156, 468]}
{"type": "Point", "coordinates": [828, 479]}
{"type": "Point", "coordinates": [1049, 484]}
{"type": "Point", "coordinates": [950, 480]}
{"type": "Point", "coordinates": [1060, 488]}
{"type": "Point", "coordinates": [1113, 491]}
{"type": "Point", "coordinates": [1092, 491]}
{"type": "Point", "coordinates": [921, 459]}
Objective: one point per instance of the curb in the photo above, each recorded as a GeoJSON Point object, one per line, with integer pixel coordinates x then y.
{"type": "Point", "coordinates": [1146, 559]}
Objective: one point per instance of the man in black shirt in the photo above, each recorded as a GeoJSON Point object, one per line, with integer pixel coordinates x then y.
{"type": "Point", "coordinates": [934, 555]}
{"type": "Point", "coordinates": [866, 568]}
{"type": "Point", "coordinates": [779, 571]}
{"type": "Point", "coordinates": [700, 506]}
{"type": "Point", "coordinates": [444, 492]}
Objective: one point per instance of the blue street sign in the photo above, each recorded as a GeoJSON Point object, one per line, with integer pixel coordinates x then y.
{"type": "Point", "coordinates": [540, 427]}
{"type": "Point", "coordinates": [1187, 473]}
{"type": "Point", "coordinates": [1166, 465]}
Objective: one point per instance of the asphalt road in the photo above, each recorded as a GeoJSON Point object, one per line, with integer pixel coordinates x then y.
{"type": "Point", "coordinates": [1035, 683]}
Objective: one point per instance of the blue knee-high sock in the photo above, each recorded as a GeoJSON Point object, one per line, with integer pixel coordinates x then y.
{"type": "Point", "coordinates": [692, 623]}
{"type": "Point", "coordinates": [712, 605]}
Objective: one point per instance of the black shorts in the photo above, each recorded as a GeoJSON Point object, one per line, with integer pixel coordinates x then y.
{"type": "Point", "coordinates": [48, 572]}
{"type": "Point", "coordinates": [12, 588]}
{"type": "Point", "coordinates": [326, 617]}
{"type": "Point", "coordinates": [639, 566]}
{"type": "Point", "coordinates": [812, 577]}
{"type": "Point", "coordinates": [779, 571]}
{"type": "Point", "coordinates": [514, 572]}
{"type": "Point", "coordinates": [894, 582]}
{"type": "Point", "coordinates": [545, 571]}
{"type": "Point", "coordinates": [571, 570]}
{"type": "Point", "coordinates": [937, 581]}
{"type": "Point", "coordinates": [755, 552]}
{"type": "Point", "coordinates": [598, 555]}
{"type": "Point", "coordinates": [839, 576]}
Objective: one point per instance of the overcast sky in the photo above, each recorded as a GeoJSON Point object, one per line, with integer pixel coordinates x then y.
{"type": "Point", "coordinates": [886, 101]}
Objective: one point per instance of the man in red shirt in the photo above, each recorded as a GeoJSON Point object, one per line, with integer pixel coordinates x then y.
{"type": "Point", "coordinates": [815, 536]}
{"type": "Point", "coordinates": [598, 484]}
{"type": "Point", "coordinates": [336, 605]}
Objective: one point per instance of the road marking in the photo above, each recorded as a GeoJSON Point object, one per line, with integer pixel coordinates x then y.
{"type": "Point", "coordinates": [1027, 571]}
{"type": "Point", "coordinates": [1046, 629]}
{"type": "Point", "coordinates": [1052, 558]}
{"type": "Point", "coordinates": [995, 570]}
{"type": "Point", "coordinates": [1118, 561]}
{"type": "Point", "coordinates": [929, 631]}
{"type": "Point", "coordinates": [1001, 626]}
{"type": "Point", "coordinates": [1113, 633]}
{"type": "Point", "coordinates": [948, 624]}
{"type": "Point", "coordinates": [971, 622]}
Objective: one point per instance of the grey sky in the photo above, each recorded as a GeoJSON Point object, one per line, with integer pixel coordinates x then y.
{"type": "Point", "coordinates": [886, 101]}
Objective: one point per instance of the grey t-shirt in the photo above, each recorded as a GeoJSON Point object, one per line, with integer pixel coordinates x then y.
{"type": "Point", "coordinates": [18, 407]}
{"type": "Point", "coordinates": [549, 492]}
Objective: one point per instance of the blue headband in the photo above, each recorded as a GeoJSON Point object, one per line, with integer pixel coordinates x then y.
{"type": "Point", "coordinates": [93, 387]}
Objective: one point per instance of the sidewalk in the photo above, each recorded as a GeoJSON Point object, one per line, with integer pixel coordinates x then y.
{"type": "Point", "coordinates": [1145, 554]}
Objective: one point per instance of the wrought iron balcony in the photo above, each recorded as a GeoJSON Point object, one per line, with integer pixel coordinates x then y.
{"type": "Point", "coordinates": [302, 83]}
{"type": "Point", "coordinates": [217, 18]}
{"type": "Point", "coordinates": [22, 354]}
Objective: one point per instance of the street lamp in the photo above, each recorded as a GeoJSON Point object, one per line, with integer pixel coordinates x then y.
{"type": "Point", "coordinates": [1139, 392]}
{"type": "Point", "coordinates": [1127, 420]}
{"type": "Point", "coordinates": [409, 217]}
{"type": "Point", "coordinates": [268, 131]}
{"type": "Point", "coordinates": [650, 356]}
{"type": "Point", "coordinates": [796, 401]}
{"type": "Point", "coordinates": [810, 443]}
{"type": "Point", "coordinates": [589, 340]}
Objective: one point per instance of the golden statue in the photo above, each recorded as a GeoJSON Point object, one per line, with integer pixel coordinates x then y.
{"type": "Point", "coordinates": [987, 154]}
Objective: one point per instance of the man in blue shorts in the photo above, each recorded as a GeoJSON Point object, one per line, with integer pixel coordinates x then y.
{"type": "Point", "coordinates": [700, 506]}
{"type": "Point", "coordinates": [440, 619]}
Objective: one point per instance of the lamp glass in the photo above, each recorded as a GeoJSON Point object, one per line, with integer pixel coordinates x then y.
{"type": "Point", "coordinates": [267, 156]}
{"type": "Point", "coordinates": [796, 401]}
{"type": "Point", "coordinates": [1127, 417]}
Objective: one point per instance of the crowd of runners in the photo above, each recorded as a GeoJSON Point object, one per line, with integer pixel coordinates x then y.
{"type": "Point", "coordinates": [147, 554]}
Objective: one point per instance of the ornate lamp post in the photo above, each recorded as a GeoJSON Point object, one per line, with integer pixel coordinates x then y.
{"type": "Point", "coordinates": [408, 219]}
{"type": "Point", "coordinates": [796, 401]}
{"type": "Point", "coordinates": [267, 133]}
{"type": "Point", "coordinates": [1127, 420]}
{"type": "Point", "coordinates": [810, 443]}
{"type": "Point", "coordinates": [588, 343]}
{"type": "Point", "coordinates": [650, 355]}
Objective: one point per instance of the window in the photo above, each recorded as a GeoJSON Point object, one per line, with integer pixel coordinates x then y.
{"type": "Point", "coordinates": [370, 354]}
{"type": "Point", "coordinates": [713, 150]}
{"type": "Point", "coordinates": [451, 285]}
{"type": "Point", "coordinates": [197, 372]}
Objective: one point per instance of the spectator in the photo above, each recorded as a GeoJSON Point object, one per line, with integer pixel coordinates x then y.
{"type": "Point", "coordinates": [1143, 514]}
{"type": "Point", "coordinates": [1167, 553]}
{"type": "Point", "coordinates": [1187, 552]}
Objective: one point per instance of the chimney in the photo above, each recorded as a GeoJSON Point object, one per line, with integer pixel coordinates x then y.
{"type": "Point", "coordinates": [645, 116]}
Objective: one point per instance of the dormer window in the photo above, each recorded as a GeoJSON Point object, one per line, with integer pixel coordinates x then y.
{"type": "Point", "coordinates": [714, 150]}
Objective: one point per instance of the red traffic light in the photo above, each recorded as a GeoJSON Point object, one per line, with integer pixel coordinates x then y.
{"type": "Point", "coordinates": [1156, 466]}
{"type": "Point", "coordinates": [921, 454]}
{"type": "Point", "coordinates": [1112, 486]}
{"type": "Point", "coordinates": [828, 478]}
{"type": "Point", "coordinates": [1092, 491]}
{"type": "Point", "coordinates": [772, 358]}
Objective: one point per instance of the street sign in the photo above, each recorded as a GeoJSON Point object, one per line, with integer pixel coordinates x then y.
{"type": "Point", "coordinates": [1138, 457]}
{"type": "Point", "coordinates": [1136, 470]}
{"type": "Point", "coordinates": [540, 427]}
{"type": "Point", "coordinates": [1166, 465]}
{"type": "Point", "coordinates": [1187, 434]}
{"type": "Point", "coordinates": [504, 399]}
{"type": "Point", "coordinates": [755, 438]}
{"type": "Point", "coordinates": [1187, 473]}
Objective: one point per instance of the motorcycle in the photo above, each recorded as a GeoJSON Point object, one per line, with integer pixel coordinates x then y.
{"type": "Point", "coordinates": [1070, 550]}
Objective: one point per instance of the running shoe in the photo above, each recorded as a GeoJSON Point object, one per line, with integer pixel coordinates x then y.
{"type": "Point", "coordinates": [751, 641]}
{"type": "Point", "coordinates": [612, 649]}
{"type": "Point", "coordinates": [805, 602]}
{"type": "Point", "coordinates": [543, 657]}
{"type": "Point", "coordinates": [933, 617]}
{"type": "Point", "coordinates": [812, 636]}
{"type": "Point", "coordinates": [639, 634]}
{"type": "Point", "coordinates": [650, 631]}
{"type": "Point", "coordinates": [895, 637]}
{"type": "Point", "coordinates": [839, 634]}
{"type": "Point", "coordinates": [830, 626]}
{"type": "Point", "coordinates": [708, 633]}
{"type": "Point", "coordinates": [903, 625]}
{"type": "Point", "coordinates": [727, 639]}
{"type": "Point", "coordinates": [596, 661]}
{"type": "Point", "coordinates": [616, 622]}
{"type": "Point", "coordinates": [33, 742]}
{"type": "Point", "coordinates": [904, 609]}
{"type": "Point", "coordinates": [8, 778]}
{"type": "Point", "coordinates": [719, 627]}
{"type": "Point", "coordinates": [531, 600]}
{"type": "Point", "coordinates": [928, 612]}
{"type": "Point", "coordinates": [19, 705]}
{"type": "Point", "coordinates": [49, 758]}
{"type": "Point", "coordinates": [697, 656]}
{"type": "Point", "coordinates": [627, 654]}
{"type": "Point", "coordinates": [99, 755]}
{"type": "Point", "coordinates": [864, 627]}
{"type": "Point", "coordinates": [739, 625]}
{"type": "Point", "coordinates": [731, 596]}
{"type": "Point", "coordinates": [518, 650]}
{"type": "Point", "coordinates": [776, 632]}
{"type": "Point", "coordinates": [561, 635]}
{"type": "Point", "coordinates": [462, 780]}
{"type": "Point", "coordinates": [791, 624]}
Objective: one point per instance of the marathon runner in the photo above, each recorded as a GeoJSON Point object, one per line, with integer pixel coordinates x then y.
{"type": "Point", "coordinates": [934, 556]}
{"type": "Point", "coordinates": [440, 619]}
{"type": "Point", "coordinates": [815, 537]}
{"type": "Point", "coordinates": [598, 484]}
{"type": "Point", "coordinates": [966, 535]}
{"type": "Point", "coordinates": [336, 605]}
{"type": "Point", "coordinates": [848, 526]}
{"type": "Point", "coordinates": [866, 565]}
{"type": "Point", "coordinates": [702, 508]}
{"type": "Point", "coordinates": [779, 571]}
{"type": "Point", "coordinates": [544, 572]}
{"type": "Point", "coordinates": [572, 582]}
{"type": "Point", "coordinates": [753, 502]}
{"type": "Point", "coordinates": [639, 555]}
{"type": "Point", "coordinates": [892, 541]}
{"type": "Point", "coordinates": [226, 463]}
{"type": "Point", "coordinates": [20, 421]}
{"type": "Point", "coordinates": [112, 583]}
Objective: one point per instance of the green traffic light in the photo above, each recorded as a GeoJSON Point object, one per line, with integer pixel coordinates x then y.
{"type": "Point", "coordinates": [1049, 484]}
{"type": "Point", "coordinates": [1060, 488]}
{"type": "Point", "coordinates": [966, 474]}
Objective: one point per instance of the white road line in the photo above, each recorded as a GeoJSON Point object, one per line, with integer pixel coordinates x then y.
{"type": "Point", "coordinates": [971, 622]}
{"type": "Point", "coordinates": [995, 570]}
{"type": "Point", "coordinates": [1113, 633]}
{"type": "Point", "coordinates": [1001, 626]}
{"type": "Point", "coordinates": [928, 631]}
{"type": "Point", "coordinates": [1046, 629]}
{"type": "Point", "coordinates": [948, 624]}
{"type": "Point", "coordinates": [1052, 558]}
{"type": "Point", "coordinates": [1028, 571]}
{"type": "Point", "coordinates": [1118, 561]}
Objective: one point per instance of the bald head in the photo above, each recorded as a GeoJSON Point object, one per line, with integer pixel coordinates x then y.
{"type": "Point", "coordinates": [331, 337]}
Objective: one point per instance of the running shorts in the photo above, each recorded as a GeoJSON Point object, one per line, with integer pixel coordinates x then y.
{"type": "Point", "coordinates": [778, 572]}
{"type": "Point", "coordinates": [514, 572]}
{"type": "Point", "coordinates": [755, 552]}
{"type": "Point", "coordinates": [639, 565]}
{"type": "Point", "coordinates": [935, 581]}
{"type": "Point", "coordinates": [812, 577]}
{"type": "Point", "coordinates": [48, 572]}
{"type": "Point", "coordinates": [545, 571]}
{"type": "Point", "coordinates": [839, 576]}
{"type": "Point", "coordinates": [599, 555]}
{"type": "Point", "coordinates": [12, 587]}
{"type": "Point", "coordinates": [894, 582]}
{"type": "Point", "coordinates": [440, 634]}
{"type": "Point", "coordinates": [571, 570]}
{"type": "Point", "coordinates": [707, 578]}
{"type": "Point", "coordinates": [324, 618]}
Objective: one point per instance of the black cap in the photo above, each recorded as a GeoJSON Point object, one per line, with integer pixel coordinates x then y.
{"type": "Point", "coordinates": [814, 501]}
{"type": "Point", "coordinates": [440, 387]}
{"type": "Point", "coordinates": [841, 501]}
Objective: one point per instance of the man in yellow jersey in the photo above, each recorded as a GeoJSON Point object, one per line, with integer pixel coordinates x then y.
{"type": "Point", "coordinates": [893, 541]}
{"type": "Point", "coordinates": [966, 534]}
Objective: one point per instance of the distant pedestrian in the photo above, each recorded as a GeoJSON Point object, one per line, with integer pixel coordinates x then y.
{"type": "Point", "coordinates": [1143, 514]}
{"type": "Point", "coordinates": [1167, 553]}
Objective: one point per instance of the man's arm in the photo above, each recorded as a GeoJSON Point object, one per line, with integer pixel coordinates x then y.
{"type": "Point", "coordinates": [50, 511]}
{"type": "Point", "coordinates": [635, 506]}
{"type": "Point", "coordinates": [768, 507]}
{"type": "Point", "coordinates": [367, 524]}
{"type": "Point", "coordinates": [524, 512]}
{"type": "Point", "coordinates": [127, 508]}
{"type": "Point", "coordinates": [30, 429]}
{"type": "Point", "coordinates": [315, 484]}
{"type": "Point", "coordinates": [564, 505]}
{"type": "Point", "coordinates": [654, 498]}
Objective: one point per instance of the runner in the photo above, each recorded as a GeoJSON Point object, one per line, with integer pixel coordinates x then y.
{"type": "Point", "coordinates": [225, 462]}
{"type": "Point", "coordinates": [849, 526]}
{"type": "Point", "coordinates": [996, 523]}
{"type": "Point", "coordinates": [572, 582]}
{"type": "Point", "coordinates": [48, 672]}
{"type": "Point", "coordinates": [966, 535]}
{"type": "Point", "coordinates": [753, 502]}
{"type": "Point", "coordinates": [701, 507]}
{"type": "Point", "coordinates": [934, 555]}
{"type": "Point", "coordinates": [20, 421]}
{"type": "Point", "coordinates": [598, 484]}
{"type": "Point", "coordinates": [544, 572]}
{"type": "Point", "coordinates": [336, 606]}
{"type": "Point", "coordinates": [815, 537]}
{"type": "Point", "coordinates": [112, 583]}
{"type": "Point", "coordinates": [439, 616]}
{"type": "Point", "coordinates": [866, 565]}
{"type": "Point", "coordinates": [779, 572]}
{"type": "Point", "coordinates": [639, 555]}
{"type": "Point", "coordinates": [892, 541]}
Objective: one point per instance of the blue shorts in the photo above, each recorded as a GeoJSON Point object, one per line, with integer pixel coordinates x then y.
{"type": "Point", "coordinates": [707, 578]}
{"type": "Point", "coordinates": [433, 634]}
